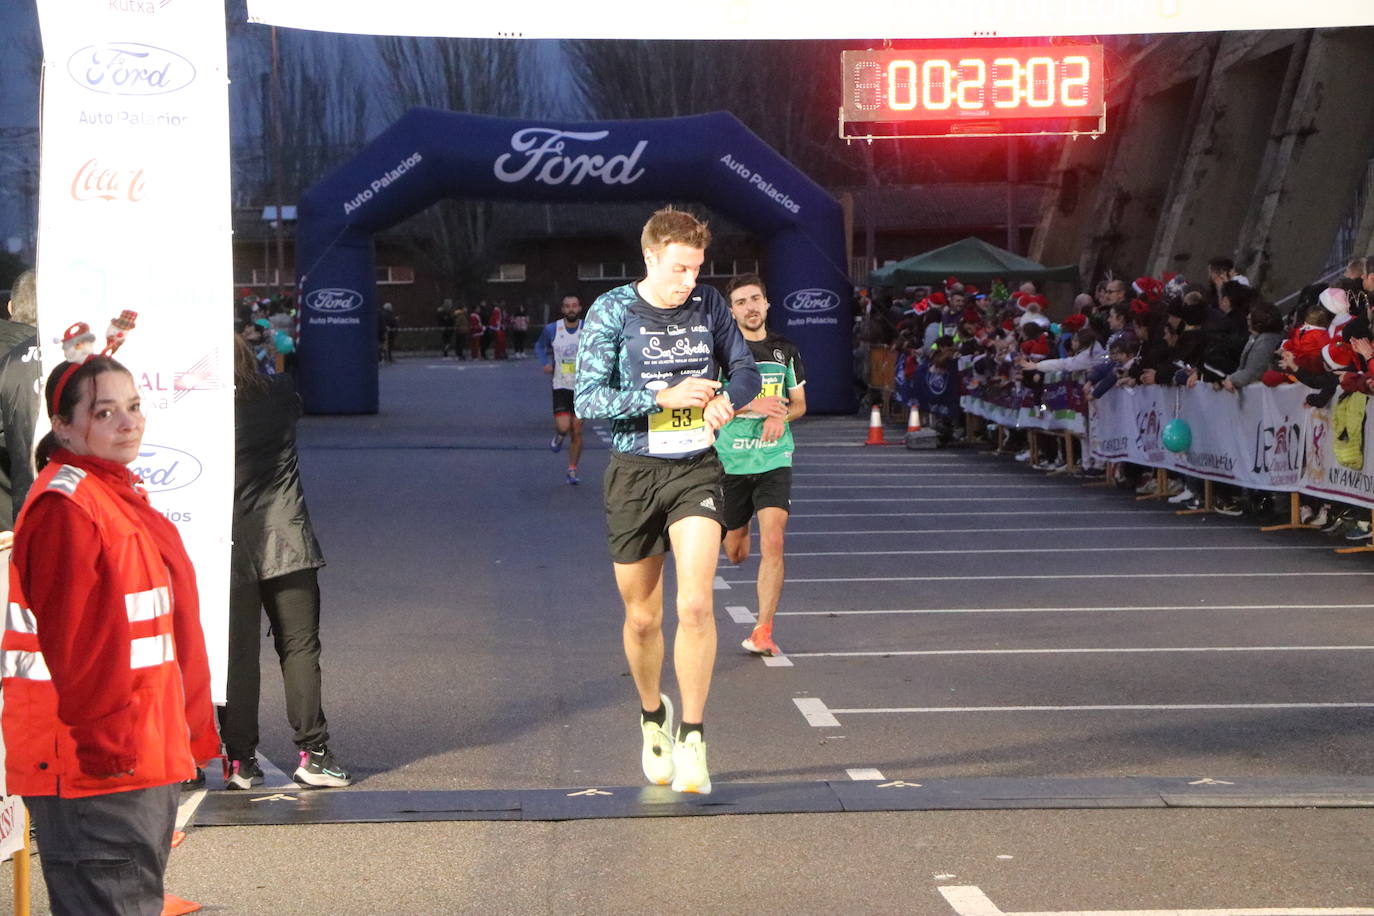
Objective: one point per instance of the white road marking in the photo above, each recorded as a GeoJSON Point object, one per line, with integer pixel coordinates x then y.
{"type": "Point", "coordinates": [863, 774]}
{"type": "Point", "coordinates": [1084, 651]}
{"type": "Point", "coordinates": [970, 901]}
{"type": "Point", "coordinates": [187, 808]}
{"type": "Point", "coordinates": [1081, 610]}
{"type": "Point", "coordinates": [720, 584]}
{"type": "Point", "coordinates": [740, 614]}
{"type": "Point", "coordinates": [1067, 576]}
{"type": "Point", "coordinates": [904, 474]}
{"type": "Point", "coordinates": [815, 712]}
{"type": "Point", "coordinates": [1137, 512]}
{"type": "Point", "coordinates": [935, 499]}
{"type": "Point", "coordinates": [910, 486]}
{"type": "Point", "coordinates": [776, 661]}
{"type": "Point", "coordinates": [1136, 707]}
{"type": "Point", "coordinates": [1114, 548]}
{"type": "Point", "coordinates": [1180, 529]}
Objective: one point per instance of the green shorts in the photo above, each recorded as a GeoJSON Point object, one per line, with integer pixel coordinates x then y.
{"type": "Point", "coordinates": [644, 496]}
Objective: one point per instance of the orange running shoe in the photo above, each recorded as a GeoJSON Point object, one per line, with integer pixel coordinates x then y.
{"type": "Point", "coordinates": [760, 642]}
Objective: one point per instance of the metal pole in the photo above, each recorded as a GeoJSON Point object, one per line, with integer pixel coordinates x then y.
{"type": "Point", "coordinates": [278, 193]}
{"type": "Point", "coordinates": [1013, 229]}
{"type": "Point", "coordinates": [21, 873]}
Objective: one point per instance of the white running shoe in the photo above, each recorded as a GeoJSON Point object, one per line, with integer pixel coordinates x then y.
{"type": "Point", "coordinates": [1182, 496]}
{"type": "Point", "coordinates": [689, 761]}
{"type": "Point", "coordinates": [658, 755]}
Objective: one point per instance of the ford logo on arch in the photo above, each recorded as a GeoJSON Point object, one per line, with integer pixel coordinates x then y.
{"type": "Point", "coordinates": [811, 301]}
{"type": "Point", "coordinates": [164, 468]}
{"type": "Point", "coordinates": [130, 68]}
{"type": "Point", "coordinates": [333, 300]}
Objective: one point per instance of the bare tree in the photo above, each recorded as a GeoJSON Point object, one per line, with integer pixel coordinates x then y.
{"type": "Point", "coordinates": [459, 240]}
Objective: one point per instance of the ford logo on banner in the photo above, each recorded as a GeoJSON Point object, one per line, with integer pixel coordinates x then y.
{"type": "Point", "coordinates": [811, 301]}
{"type": "Point", "coordinates": [130, 68]}
{"type": "Point", "coordinates": [164, 468]}
{"type": "Point", "coordinates": [333, 300]}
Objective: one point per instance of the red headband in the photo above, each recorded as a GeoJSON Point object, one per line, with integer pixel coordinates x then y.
{"type": "Point", "coordinates": [62, 383]}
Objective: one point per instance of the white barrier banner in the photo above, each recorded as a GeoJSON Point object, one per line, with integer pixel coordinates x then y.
{"type": "Point", "coordinates": [1326, 476]}
{"type": "Point", "coordinates": [1253, 438]}
{"type": "Point", "coordinates": [134, 215]}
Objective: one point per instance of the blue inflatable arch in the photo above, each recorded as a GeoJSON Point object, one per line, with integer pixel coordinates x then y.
{"type": "Point", "coordinates": [429, 155]}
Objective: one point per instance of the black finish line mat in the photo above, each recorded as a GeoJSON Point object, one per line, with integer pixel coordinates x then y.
{"type": "Point", "coordinates": [361, 806]}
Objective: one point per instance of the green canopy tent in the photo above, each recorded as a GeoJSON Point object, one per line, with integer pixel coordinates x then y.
{"type": "Point", "coordinates": [969, 259]}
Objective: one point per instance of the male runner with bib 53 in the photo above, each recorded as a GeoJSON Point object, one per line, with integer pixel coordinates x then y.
{"type": "Point", "coordinates": [756, 450]}
{"type": "Point", "coordinates": [650, 360]}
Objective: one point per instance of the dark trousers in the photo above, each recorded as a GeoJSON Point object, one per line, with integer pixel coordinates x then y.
{"type": "Point", "coordinates": [105, 854]}
{"type": "Point", "coordinates": [292, 603]}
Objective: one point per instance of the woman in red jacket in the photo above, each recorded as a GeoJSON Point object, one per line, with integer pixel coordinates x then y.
{"type": "Point", "coordinates": [107, 686]}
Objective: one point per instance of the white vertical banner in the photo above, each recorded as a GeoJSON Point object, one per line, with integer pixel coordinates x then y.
{"type": "Point", "coordinates": [134, 215]}
{"type": "Point", "coordinates": [11, 806]}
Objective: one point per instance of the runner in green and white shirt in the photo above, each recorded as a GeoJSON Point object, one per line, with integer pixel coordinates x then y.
{"type": "Point", "coordinates": [755, 449]}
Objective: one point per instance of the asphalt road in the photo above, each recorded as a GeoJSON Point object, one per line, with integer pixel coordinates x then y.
{"type": "Point", "coordinates": [957, 616]}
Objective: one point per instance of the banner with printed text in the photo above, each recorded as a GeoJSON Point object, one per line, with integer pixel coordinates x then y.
{"type": "Point", "coordinates": [1339, 462]}
{"type": "Point", "coordinates": [1251, 438]}
{"type": "Point", "coordinates": [134, 216]}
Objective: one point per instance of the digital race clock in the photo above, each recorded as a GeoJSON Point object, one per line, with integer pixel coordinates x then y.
{"type": "Point", "coordinates": [977, 90]}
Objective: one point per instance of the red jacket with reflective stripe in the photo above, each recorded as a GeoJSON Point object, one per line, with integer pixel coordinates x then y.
{"type": "Point", "coordinates": [98, 668]}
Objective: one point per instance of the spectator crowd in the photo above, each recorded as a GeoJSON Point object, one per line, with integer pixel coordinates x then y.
{"type": "Point", "coordinates": [928, 346]}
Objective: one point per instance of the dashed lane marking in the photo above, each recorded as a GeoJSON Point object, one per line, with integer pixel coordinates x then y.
{"type": "Point", "coordinates": [1082, 651]}
{"type": "Point", "coordinates": [776, 661]}
{"type": "Point", "coordinates": [821, 716]}
{"type": "Point", "coordinates": [720, 584]}
{"type": "Point", "coordinates": [1082, 610]}
{"type": "Point", "coordinates": [970, 901]}
{"type": "Point", "coordinates": [864, 774]}
{"type": "Point", "coordinates": [815, 712]}
{"type": "Point", "coordinates": [1039, 529]}
{"type": "Point", "coordinates": [1058, 548]}
{"type": "Point", "coordinates": [1066, 576]}
{"type": "Point", "coordinates": [740, 614]}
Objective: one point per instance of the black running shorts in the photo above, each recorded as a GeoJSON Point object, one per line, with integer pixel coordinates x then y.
{"type": "Point", "coordinates": [746, 494]}
{"type": "Point", "coordinates": [562, 400]}
{"type": "Point", "coordinates": [644, 496]}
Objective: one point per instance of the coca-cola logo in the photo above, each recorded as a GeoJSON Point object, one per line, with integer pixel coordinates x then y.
{"type": "Point", "coordinates": [96, 181]}
{"type": "Point", "coordinates": [130, 68]}
{"type": "Point", "coordinates": [164, 468]}
{"type": "Point", "coordinates": [333, 300]}
{"type": "Point", "coordinates": [810, 301]}
{"type": "Point", "coordinates": [540, 156]}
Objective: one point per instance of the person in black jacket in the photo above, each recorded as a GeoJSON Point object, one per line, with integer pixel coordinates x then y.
{"type": "Point", "coordinates": [274, 559]}
{"type": "Point", "coordinates": [19, 374]}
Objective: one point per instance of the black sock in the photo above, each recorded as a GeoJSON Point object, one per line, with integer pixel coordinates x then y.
{"type": "Point", "coordinates": [658, 716]}
{"type": "Point", "coordinates": [684, 728]}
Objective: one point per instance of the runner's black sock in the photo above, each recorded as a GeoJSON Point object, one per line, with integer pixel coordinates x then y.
{"type": "Point", "coordinates": [685, 727]}
{"type": "Point", "coordinates": [658, 716]}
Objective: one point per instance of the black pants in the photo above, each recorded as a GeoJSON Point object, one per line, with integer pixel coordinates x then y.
{"type": "Point", "coordinates": [292, 603]}
{"type": "Point", "coordinates": [105, 853]}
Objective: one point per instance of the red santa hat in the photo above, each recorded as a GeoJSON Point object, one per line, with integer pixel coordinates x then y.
{"type": "Point", "coordinates": [1338, 356]}
{"type": "Point", "coordinates": [921, 307]}
{"type": "Point", "coordinates": [77, 342]}
{"type": "Point", "coordinates": [951, 281]}
{"type": "Point", "coordinates": [1075, 322]}
{"type": "Point", "coordinates": [1140, 307]}
{"type": "Point", "coordinates": [937, 299]}
{"type": "Point", "coordinates": [1148, 287]}
{"type": "Point", "coordinates": [971, 315]}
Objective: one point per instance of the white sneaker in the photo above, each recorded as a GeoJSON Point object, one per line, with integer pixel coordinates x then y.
{"type": "Point", "coordinates": [1182, 496]}
{"type": "Point", "coordinates": [658, 754]}
{"type": "Point", "coordinates": [689, 761]}
{"type": "Point", "coordinates": [1147, 488]}
{"type": "Point", "coordinates": [1023, 456]}
{"type": "Point", "coordinates": [1321, 518]}
{"type": "Point", "coordinates": [1173, 487]}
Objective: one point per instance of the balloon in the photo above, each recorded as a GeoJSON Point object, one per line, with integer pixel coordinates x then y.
{"type": "Point", "coordinates": [1177, 435]}
{"type": "Point", "coordinates": [284, 342]}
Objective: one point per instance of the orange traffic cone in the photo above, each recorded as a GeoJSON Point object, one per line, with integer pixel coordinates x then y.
{"type": "Point", "coordinates": [875, 427]}
{"type": "Point", "coordinates": [913, 420]}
